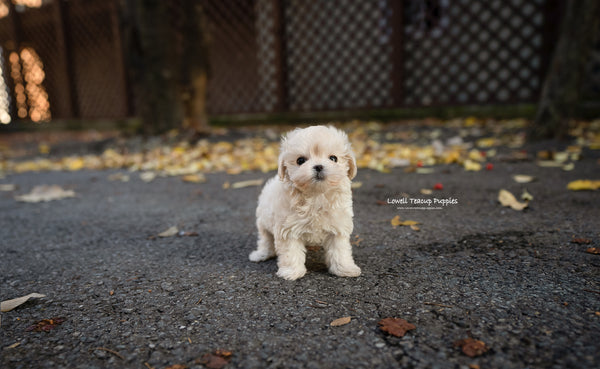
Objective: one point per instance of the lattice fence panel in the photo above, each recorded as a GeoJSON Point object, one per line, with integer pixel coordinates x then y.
{"type": "Point", "coordinates": [98, 67]}
{"type": "Point", "coordinates": [338, 54]}
{"type": "Point", "coordinates": [472, 52]}
{"type": "Point", "coordinates": [234, 79]}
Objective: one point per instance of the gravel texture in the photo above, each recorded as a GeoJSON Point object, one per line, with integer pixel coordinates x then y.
{"type": "Point", "coordinates": [475, 269]}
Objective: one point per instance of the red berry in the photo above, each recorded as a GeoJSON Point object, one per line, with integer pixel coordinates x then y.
{"type": "Point", "coordinates": [489, 166]}
{"type": "Point", "coordinates": [438, 186]}
{"type": "Point", "coordinates": [419, 164]}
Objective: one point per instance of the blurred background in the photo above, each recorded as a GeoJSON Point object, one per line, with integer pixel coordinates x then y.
{"type": "Point", "coordinates": [182, 64]}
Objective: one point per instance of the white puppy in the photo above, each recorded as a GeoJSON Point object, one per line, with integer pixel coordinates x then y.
{"type": "Point", "coordinates": [309, 202]}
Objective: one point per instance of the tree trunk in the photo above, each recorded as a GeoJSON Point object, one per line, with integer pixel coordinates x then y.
{"type": "Point", "coordinates": [168, 64]}
{"type": "Point", "coordinates": [194, 61]}
{"type": "Point", "coordinates": [562, 86]}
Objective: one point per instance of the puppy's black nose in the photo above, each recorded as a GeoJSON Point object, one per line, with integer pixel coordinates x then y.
{"type": "Point", "coordinates": [318, 168]}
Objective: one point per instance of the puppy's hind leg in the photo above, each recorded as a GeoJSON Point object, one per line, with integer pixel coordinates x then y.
{"type": "Point", "coordinates": [266, 246]}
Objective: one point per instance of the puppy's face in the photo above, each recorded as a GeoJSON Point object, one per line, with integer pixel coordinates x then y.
{"type": "Point", "coordinates": [316, 158]}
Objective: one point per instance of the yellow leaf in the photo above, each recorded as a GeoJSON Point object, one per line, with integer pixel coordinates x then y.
{"type": "Point", "coordinates": [409, 223]}
{"type": "Point", "coordinates": [253, 182]}
{"type": "Point", "coordinates": [340, 321]}
{"type": "Point", "coordinates": [172, 231]}
{"type": "Point", "coordinates": [508, 199]}
{"type": "Point", "coordinates": [526, 196]}
{"type": "Point", "coordinates": [583, 185]}
{"type": "Point", "coordinates": [395, 221]}
{"type": "Point", "coordinates": [44, 148]}
{"type": "Point", "coordinates": [74, 164]}
{"type": "Point", "coordinates": [194, 178]}
{"type": "Point", "coordinates": [522, 178]}
{"type": "Point", "coordinates": [471, 165]}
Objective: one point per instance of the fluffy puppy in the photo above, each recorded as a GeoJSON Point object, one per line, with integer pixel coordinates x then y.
{"type": "Point", "coordinates": [309, 202]}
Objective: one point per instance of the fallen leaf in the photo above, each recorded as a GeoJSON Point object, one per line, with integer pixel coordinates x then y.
{"type": "Point", "coordinates": [549, 164]}
{"type": "Point", "coordinates": [523, 178]}
{"type": "Point", "coordinates": [7, 187]}
{"type": "Point", "coordinates": [508, 199]}
{"type": "Point", "coordinates": [147, 176]}
{"type": "Point", "coordinates": [223, 353]}
{"type": "Point", "coordinates": [581, 241]}
{"type": "Point", "coordinates": [426, 191]}
{"type": "Point", "coordinates": [45, 193]}
{"type": "Point", "coordinates": [471, 165]}
{"type": "Point", "coordinates": [354, 185]}
{"type": "Point", "coordinates": [177, 366]}
{"type": "Point", "coordinates": [414, 227]}
{"type": "Point", "coordinates": [526, 196]}
{"type": "Point", "coordinates": [45, 325]}
{"type": "Point", "coordinates": [16, 344]}
{"type": "Point", "coordinates": [215, 360]}
{"type": "Point", "coordinates": [119, 177]}
{"type": "Point", "coordinates": [172, 231]}
{"type": "Point", "coordinates": [8, 305]}
{"type": "Point", "coordinates": [395, 326]}
{"type": "Point", "coordinates": [194, 178]}
{"type": "Point", "coordinates": [593, 250]}
{"type": "Point", "coordinates": [424, 170]}
{"type": "Point", "coordinates": [340, 321]}
{"type": "Point", "coordinates": [242, 184]}
{"type": "Point", "coordinates": [584, 184]}
{"type": "Point", "coordinates": [471, 347]}
{"type": "Point", "coordinates": [397, 222]}
{"type": "Point", "coordinates": [568, 167]}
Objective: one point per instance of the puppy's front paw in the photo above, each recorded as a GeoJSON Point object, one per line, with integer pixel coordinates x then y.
{"type": "Point", "coordinates": [291, 273]}
{"type": "Point", "coordinates": [260, 255]}
{"type": "Point", "coordinates": [348, 270]}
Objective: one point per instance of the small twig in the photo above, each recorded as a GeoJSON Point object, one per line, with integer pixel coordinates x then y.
{"type": "Point", "coordinates": [319, 306]}
{"type": "Point", "coordinates": [198, 302]}
{"type": "Point", "coordinates": [586, 290]}
{"type": "Point", "coordinates": [148, 365]}
{"type": "Point", "coordinates": [109, 350]}
{"type": "Point", "coordinates": [440, 305]}
{"type": "Point", "coordinates": [322, 302]}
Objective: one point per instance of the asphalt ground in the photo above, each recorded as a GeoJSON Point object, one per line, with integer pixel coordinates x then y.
{"type": "Point", "coordinates": [475, 269]}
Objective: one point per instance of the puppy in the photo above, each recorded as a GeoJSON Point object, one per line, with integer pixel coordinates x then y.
{"type": "Point", "coordinates": [309, 202]}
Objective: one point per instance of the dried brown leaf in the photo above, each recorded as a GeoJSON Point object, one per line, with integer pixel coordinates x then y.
{"type": "Point", "coordinates": [593, 250]}
{"type": "Point", "coordinates": [395, 326]}
{"type": "Point", "coordinates": [46, 325]}
{"type": "Point", "coordinates": [471, 347]}
{"type": "Point", "coordinates": [581, 241]}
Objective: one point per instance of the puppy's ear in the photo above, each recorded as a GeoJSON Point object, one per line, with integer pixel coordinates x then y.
{"type": "Point", "coordinates": [281, 168]}
{"type": "Point", "coordinates": [351, 165]}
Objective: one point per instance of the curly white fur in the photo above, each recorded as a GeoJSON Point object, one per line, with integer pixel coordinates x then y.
{"type": "Point", "coordinates": [309, 202]}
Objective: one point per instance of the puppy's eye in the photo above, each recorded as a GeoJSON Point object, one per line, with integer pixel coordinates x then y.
{"type": "Point", "coordinates": [301, 160]}
{"type": "Point", "coordinates": [333, 158]}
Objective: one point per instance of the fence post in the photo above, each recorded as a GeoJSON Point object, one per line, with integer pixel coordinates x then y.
{"type": "Point", "coordinates": [397, 40]}
{"type": "Point", "coordinates": [283, 103]}
{"type": "Point", "coordinates": [66, 68]}
{"type": "Point", "coordinates": [120, 54]}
